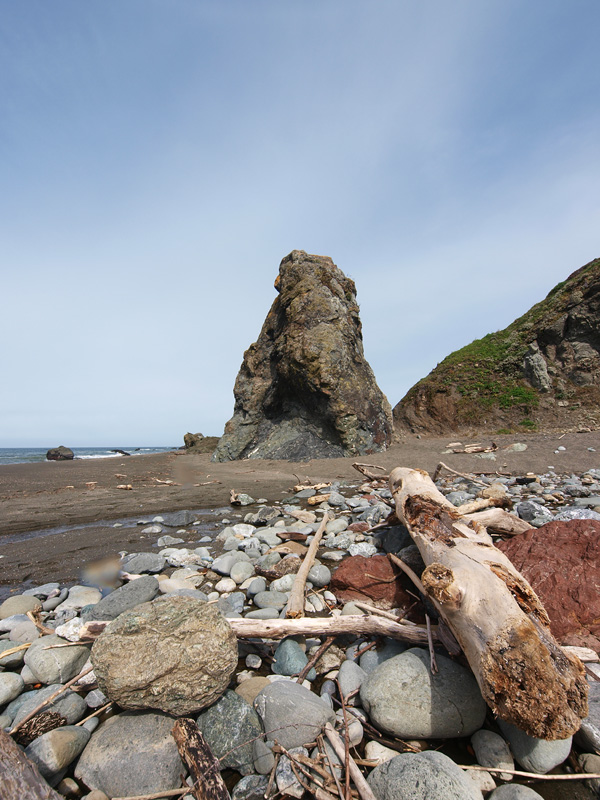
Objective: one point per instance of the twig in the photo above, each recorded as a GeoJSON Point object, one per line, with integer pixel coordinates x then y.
{"type": "Point", "coordinates": [50, 699]}
{"type": "Point", "coordinates": [315, 790]}
{"type": "Point", "coordinates": [96, 713]}
{"type": "Point", "coordinates": [158, 795]}
{"type": "Point", "coordinates": [368, 646]}
{"type": "Point", "coordinates": [295, 606]}
{"type": "Point", "coordinates": [363, 787]}
{"type": "Point", "coordinates": [411, 573]}
{"type": "Point", "coordinates": [41, 628]}
{"type": "Point", "coordinates": [346, 743]}
{"type": "Point", "coordinates": [12, 650]}
{"type": "Point", "coordinates": [380, 612]}
{"type": "Point", "coordinates": [576, 776]}
{"type": "Point", "coordinates": [323, 750]}
{"type": "Point", "coordinates": [365, 469]}
{"type": "Point", "coordinates": [272, 776]}
{"type": "Point", "coordinates": [315, 657]}
{"type": "Point", "coordinates": [441, 466]}
{"type": "Point", "coordinates": [432, 662]}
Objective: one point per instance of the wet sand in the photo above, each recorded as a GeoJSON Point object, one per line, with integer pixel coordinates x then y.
{"type": "Point", "coordinates": [52, 520]}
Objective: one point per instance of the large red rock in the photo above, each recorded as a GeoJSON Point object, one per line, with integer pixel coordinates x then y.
{"type": "Point", "coordinates": [370, 580]}
{"type": "Point", "coordinates": [561, 560]}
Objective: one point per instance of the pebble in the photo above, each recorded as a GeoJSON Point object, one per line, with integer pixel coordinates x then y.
{"type": "Point", "coordinates": [58, 665]}
{"type": "Point", "coordinates": [491, 750]}
{"type": "Point", "coordinates": [535, 755]}
{"type": "Point", "coordinates": [11, 686]}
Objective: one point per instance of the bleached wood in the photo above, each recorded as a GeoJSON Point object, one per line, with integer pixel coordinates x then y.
{"type": "Point", "coordinates": [524, 675]}
{"type": "Point", "coordinates": [295, 606]}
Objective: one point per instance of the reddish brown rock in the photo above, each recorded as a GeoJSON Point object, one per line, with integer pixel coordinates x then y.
{"type": "Point", "coordinates": [370, 580]}
{"type": "Point", "coordinates": [359, 527]}
{"type": "Point", "coordinates": [561, 560]}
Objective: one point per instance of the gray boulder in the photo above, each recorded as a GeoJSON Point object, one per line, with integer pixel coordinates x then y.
{"type": "Point", "coordinates": [492, 751]}
{"type": "Point", "coordinates": [69, 705]}
{"type": "Point", "coordinates": [132, 594]}
{"type": "Point", "coordinates": [226, 725]}
{"type": "Point", "coordinates": [11, 686]}
{"type": "Point", "coordinates": [131, 754]}
{"type": "Point", "coordinates": [176, 654]}
{"type": "Point", "coordinates": [52, 752]}
{"type": "Point", "coordinates": [58, 665]}
{"type": "Point", "coordinates": [403, 698]}
{"type": "Point", "coordinates": [535, 755]}
{"type": "Point", "coordinates": [291, 713]}
{"type": "Point", "coordinates": [422, 776]}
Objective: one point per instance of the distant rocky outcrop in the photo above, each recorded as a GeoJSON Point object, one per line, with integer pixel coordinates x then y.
{"type": "Point", "coordinates": [198, 443]}
{"type": "Point", "coordinates": [304, 389]}
{"type": "Point", "coordinates": [541, 373]}
{"type": "Point", "coordinates": [61, 453]}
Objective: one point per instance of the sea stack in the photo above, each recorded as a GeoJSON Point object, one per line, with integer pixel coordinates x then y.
{"type": "Point", "coordinates": [305, 389]}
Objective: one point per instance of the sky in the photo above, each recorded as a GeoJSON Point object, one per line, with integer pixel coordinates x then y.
{"type": "Point", "coordinates": [158, 159]}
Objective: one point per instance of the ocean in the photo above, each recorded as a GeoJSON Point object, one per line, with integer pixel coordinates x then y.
{"type": "Point", "coordinates": [26, 455]}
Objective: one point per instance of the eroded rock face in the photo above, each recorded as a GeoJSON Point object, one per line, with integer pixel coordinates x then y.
{"type": "Point", "coordinates": [304, 389]}
{"type": "Point", "coordinates": [561, 561]}
{"type": "Point", "coordinates": [175, 654]}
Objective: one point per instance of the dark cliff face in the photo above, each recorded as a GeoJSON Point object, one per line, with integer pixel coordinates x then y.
{"type": "Point", "coordinates": [540, 373]}
{"type": "Point", "coordinates": [304, 389]}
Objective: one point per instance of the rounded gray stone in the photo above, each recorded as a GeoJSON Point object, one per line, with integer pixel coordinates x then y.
{"type": "Point", "coordinates": [229, 726]}
{"type": "Point", "coordinates": [403, 697]}
{"type": "Point", "coordinates": [535, 755]}
{"type": "Point", "coordinates": [131, 754]}
{"type": "Point", "coordinates": [138, 563]}
{"type": "Point", "coordinates": [291, 713]}
{"type": "Point", "coordinates": [176, 654]}
{"type": "Point", "coordinates": [257, 585]}
{"type": "Point", "coordinates": [132, 594]}
{"type": "Point", "coordinates": [11, 686]}
{"type": "Point", "coordinates": [319, 575]}
{"type": "Point", "coordinates": [53, 751]}
{"type": "Point", "coordinates": [14, 660]}
{"type": "Point", "coordinates": [350, 678]}
{"type": "Point", "coordinates": [290, 659]}
{"type": "Point", "coordinates": [69, 705]}
{"type": "Point", "coordinates": [514, 791]}
{"type": "Point", "coordinates": [58, 665]}
{"type": "Point", "coordinates": [374, 657]}
{"type": "Point", "coordinates": [20, 604]}
{"type": "Point", "coordinates": [422, 776]}
{"type": "Point", "coordinates": [270, 600]}
{"type": "Point", "coordinates": [241, 571]}
{"type": "Point", "coordinates": [492, 751]}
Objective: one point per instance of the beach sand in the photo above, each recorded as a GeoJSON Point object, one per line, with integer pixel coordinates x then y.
{"type": "Point", "coordinates": [52, 521]}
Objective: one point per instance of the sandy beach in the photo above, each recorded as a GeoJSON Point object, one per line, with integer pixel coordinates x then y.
{"type": "Point", "coordinates": [57, 516]}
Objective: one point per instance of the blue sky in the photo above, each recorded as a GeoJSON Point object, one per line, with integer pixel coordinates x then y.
{"type": "Point", "coordinates": [158, 158]}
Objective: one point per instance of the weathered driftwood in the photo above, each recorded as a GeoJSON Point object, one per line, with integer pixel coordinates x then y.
{"type": "Point", "coordinates": [19, 778]}
{"type": "Point", "coordinates": [203, 766]}
{"type": "Point", "coordinates": [498, 521]}
{"type": "Point", "coordinates": [327, 626]}
{"type": "Point", "coordinates": [315, 626]}
{"type": "Point", "coordinates": [295, 606]}
{"type": "Point", "coordinates": [524, 675]}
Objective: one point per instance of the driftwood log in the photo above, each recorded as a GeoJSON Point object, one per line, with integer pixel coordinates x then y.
{"type": "Point", "coordinates": [203, 766]}
{"type": "Point", "coordinates": [524, 675]}
{"type": "Point", "coordinates": [19, 777]}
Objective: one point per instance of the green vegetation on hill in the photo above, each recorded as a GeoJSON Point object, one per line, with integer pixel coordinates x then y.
{"type": "Point", "coordinates": [487, 374]}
